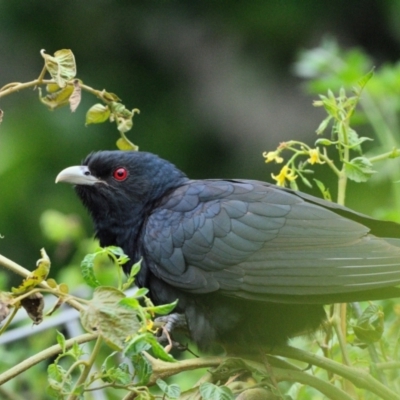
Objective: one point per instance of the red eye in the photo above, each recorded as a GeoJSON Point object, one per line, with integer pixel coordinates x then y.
{"type": "Point", "coordinates": [120, 174]}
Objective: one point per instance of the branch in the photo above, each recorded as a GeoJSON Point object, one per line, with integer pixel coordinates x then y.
{"type": "Point", "coordinates": [43, 355]}
{"type": "Point", "coordinates": [17, 269]}
{"type": "Point", "coordinates": [358, 377]}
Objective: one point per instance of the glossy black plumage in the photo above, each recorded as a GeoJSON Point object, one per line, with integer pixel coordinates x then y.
{"type": "Point", "coordinates": [250, 263]}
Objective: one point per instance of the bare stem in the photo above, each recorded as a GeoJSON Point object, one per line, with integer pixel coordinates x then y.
{"type": "Point", "coordinates": [43, 355]}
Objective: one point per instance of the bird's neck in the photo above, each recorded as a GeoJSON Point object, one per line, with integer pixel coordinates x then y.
{"type": "Point", "coordinates": [119, 228]}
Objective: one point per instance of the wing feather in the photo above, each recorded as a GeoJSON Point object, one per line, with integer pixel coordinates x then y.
{"type": "Point", "coordinates": [254, 240]}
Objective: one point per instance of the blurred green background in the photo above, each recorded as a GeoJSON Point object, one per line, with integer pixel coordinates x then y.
{"type": "Point", "coordinates": [214, 82]}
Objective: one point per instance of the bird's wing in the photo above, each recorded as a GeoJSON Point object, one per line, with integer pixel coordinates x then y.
{"type": "Point", "coordinates": [254, 240]}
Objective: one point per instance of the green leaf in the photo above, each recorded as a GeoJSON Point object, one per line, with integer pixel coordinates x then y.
{"type": "Point", "coordinates": [359, 169]}
{"type": "Point", "coordinates": [324, 142]}
{"type": "Point", "coordinates": [135, 269]}
{"type": "Point", "coordinates": [325, 191]}
{"type": "Point", "coordinates": [140, 292]}
{"type": "Point", "coordinates": [130, 302]}
{"type": "Point", "coordinates": [116, 250]}
{"type": "Point", "coordinates": [75, 351]}
{"type": "Point", "coordinates": [123, 143]}
{"type": "Point", "coordinates": [209, 391]}
{"type": "Point", "coordinates": [305, 180]}
{"type": "Point", "coordinates": [364, 80]}
{"type": "Point", "coordinates": [61, 340]}
{"type": "Point", "coordinates": [163, 309]}
{"type": "Point", "coordinates": [322, 126]}
{"type": "Point", "coordinates": [146, 342]}
{"type": "Point", "coordinates": [56, 99]}
{"type": "Point", "coordinates": [120, 375]}
{"type": "Point", "coordinates": [171, 391]}
{"type": "Point", "coordinates": [143, 369]}
{"type": "Point", "coordinates": [61, 66]}
{"type": "Point", "coordinates": [97, 114]}
{"type": "Point", "coordinates": [87, 267]}
{"type": "Point", "coordinates": [370, 324]}
{"type": "Point", "coordinates": [105, 315]}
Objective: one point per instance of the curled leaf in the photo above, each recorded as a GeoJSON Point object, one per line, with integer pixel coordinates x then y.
{"type": "Point", "coordinates": [56, 306]}
{"type": "Point", "coordinates": [61, 66]}
{"type": "Point", "coordinates": [123, 143]}
{"type": "Point", "coordinates": [34, 305]}
{"type": "Point", "coordinates": [56, 99]}
{"type": "Point", "coordinates": [36, 276]}
{"type": "Point", "coordinates": [76, 96]}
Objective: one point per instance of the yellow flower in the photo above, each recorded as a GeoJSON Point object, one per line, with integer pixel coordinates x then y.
{"type": "Point", "coordinates": [272, 156]}
{"type": "Point", "coordinates": [314, 157]}
{"type": "Point", "coordinates": [286, 174]}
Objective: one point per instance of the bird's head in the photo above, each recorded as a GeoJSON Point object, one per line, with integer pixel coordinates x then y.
{"type": "Point", "coordinates": [121, 183]}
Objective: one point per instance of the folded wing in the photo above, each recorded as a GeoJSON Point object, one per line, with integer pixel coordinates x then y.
{"type": "Point", "coordinates": [254, 240]}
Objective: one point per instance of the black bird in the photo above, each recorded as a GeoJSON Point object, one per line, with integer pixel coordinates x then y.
{"type": "Point", "coordinates": [251, 263]}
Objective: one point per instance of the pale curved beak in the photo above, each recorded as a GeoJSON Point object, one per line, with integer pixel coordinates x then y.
{"type": "Point", "coordinates": [77, 175]}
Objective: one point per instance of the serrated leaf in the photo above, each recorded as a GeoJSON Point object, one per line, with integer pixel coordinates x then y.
{"type": "Point", "coordinates": [75, 351]}
{"type": "Point", "coordinates": [36, 276]}
{"type": "Point", "coordinates": [118, 375]}
{"type": "Point", "coordinates": [87, 268]}
{"type": "Point", "coordinates": [143, 369]}
{"type": "Point", "coordinates": [370, 324]}
{"type": "Point", "coordinates": [359, 169]}
{"type": "Point", "coordinates": [56, 372]}
{"type": "Point", "coordinates": [61, 66]}
{"type": "Point", "coordinates": [172, 391]}
{"type": "Point", "coordinates": [114, 322]}
{"type": "Point", "coordinates": [97, 114]}
{"type": "Point", "coordinates": [209, 391]}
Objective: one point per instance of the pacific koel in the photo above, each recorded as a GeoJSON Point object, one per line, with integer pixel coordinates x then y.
{"type": "Point", "coordinates": [251, 263]}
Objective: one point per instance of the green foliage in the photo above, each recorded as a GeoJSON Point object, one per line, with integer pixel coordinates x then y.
{"type": "Point", "coordinates": [64, 89]}
{"type": "Point", "coordinates": [210, 391]}
{"type": "Point", "coordinates": [134, 362]}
